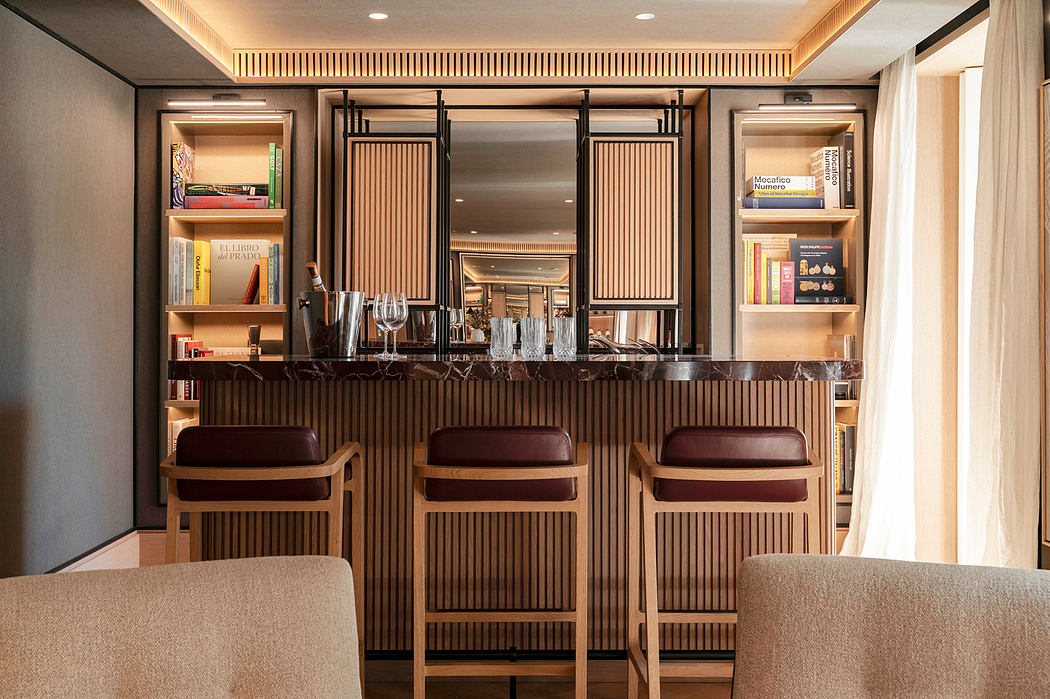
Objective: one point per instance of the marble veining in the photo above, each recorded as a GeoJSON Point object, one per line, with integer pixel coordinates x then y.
{"type": "Point", "coordinates": [481, 367]}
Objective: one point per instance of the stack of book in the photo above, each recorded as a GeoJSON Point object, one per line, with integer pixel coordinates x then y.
{"type": "Point", "coordinates": [768, 272]}
{"type": "Point", "coordinates": [183, 346]}
{"type": "Point", "coordinates": [832, 167]}
{"type": "Point", "coordinates": [782, 192]}
{"type": "Point", "coordinates": [177, 426]}
{"type": "Point", "coordinates": [187, 194]}
{"type": "Point", "coordinates": [845, 457]}
{"type": "Point", "coordinates": [180, 271]}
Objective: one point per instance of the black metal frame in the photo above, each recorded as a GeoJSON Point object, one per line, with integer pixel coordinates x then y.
{"type": "Point", "coordinates": [672, 124]}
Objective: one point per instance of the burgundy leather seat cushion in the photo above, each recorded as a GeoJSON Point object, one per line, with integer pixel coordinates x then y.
{"type": "Point", "coordinates": [261, 446]}
{"type": "Point", "coordinates": [732, 447]}
{"type": "Point", "coordinates": [494, 447]}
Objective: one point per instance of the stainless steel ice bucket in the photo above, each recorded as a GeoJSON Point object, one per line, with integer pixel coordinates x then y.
{"type": "Point", "coordinates": [332, 320]}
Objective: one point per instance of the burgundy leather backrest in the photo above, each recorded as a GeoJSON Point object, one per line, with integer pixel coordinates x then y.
{"type": "Point", "coordinates": [500, 446]}
{"type": "Point", "coordinates": [734, 446]}
{"type": "Point", "coordinates": [260, 446]}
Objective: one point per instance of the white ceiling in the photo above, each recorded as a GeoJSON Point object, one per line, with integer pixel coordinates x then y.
{"type": "Point", "coordinates": [520, 24]}
{"type": "Point", "coordinates": [964, 51]}
{"type": "Point", "coordinates": [521, 269]}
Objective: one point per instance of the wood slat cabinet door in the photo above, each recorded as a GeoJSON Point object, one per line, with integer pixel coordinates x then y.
{"type": "Point", "coordinates": [634, 212]}
{"type": "Point", "coordinates": [392, 219]}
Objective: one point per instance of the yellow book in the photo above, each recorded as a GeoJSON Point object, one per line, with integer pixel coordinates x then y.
{"type": "Point", "coordinates": [764, 280]}
{"type": "Point", "coordinates": [264, 275]}
{"type": "Point", "coordinates": [201, 272]}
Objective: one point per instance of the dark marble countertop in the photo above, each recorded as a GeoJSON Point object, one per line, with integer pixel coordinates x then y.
{"type": "Point", "coordinates": [481, 367]}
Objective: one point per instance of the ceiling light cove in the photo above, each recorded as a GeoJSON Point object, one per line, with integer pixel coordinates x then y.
{"type": "Point", "coordinates": [377, 15]}
{"type": "Point", "coordinates": [459, 201]}
{"type": "Point", "coordinates": [645, 15]}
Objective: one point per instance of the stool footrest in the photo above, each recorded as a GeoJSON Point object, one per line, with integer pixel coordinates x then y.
{"type": "Point", "coordinates": [500, 668]}
{"type": "Point", "coordinates": [674, 616]}
{"type": "Point", "coordinates": [491, 616]}
{"type": "Point", "coordinates": [713, 669]}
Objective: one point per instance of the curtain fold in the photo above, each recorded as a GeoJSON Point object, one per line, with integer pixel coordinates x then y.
{"type": "Point", "coordinates": [999, 482]}
{"type": "Point", "coordinates": [883, 513]}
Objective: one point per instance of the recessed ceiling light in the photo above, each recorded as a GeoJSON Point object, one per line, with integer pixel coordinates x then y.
{"type": "Point", "coordinates": [568, 201]}
{"type": "Point", "coordinates": [473, 232]}
{"type": "Point", "coordinates": [555, 233]}
{"type": "Point", "coordinates": [377, 15]}
{"type": "Point", "coordinates": [492, 266]}
{"type": "Point", "coordinates": [645, 15]}
{"type": "Point", "coordinates": [460, 201]}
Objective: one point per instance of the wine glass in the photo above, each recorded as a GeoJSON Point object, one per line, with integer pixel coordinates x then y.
{"type": "Point", "coordinates": [396, 316]}
{"type": "Point", "coordinates": [381, 318]}
{"type": "Point", "coordinates": [455, 319]}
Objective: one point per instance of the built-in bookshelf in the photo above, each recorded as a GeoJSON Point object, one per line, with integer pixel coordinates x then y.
{"type": "Point", "coordinates": [782, 144]}
{"type": "Point", "coordinates": [227, 149]}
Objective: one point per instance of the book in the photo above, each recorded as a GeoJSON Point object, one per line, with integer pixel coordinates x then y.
{"type": "Point", "coordinates": [187, 272]}
{"type": "Point", "coordinates": [180, 271]}
{"type": "Point", "coordinates": [824, 163]}
{"type": "Point", "coordinates": [201, 272]}
{"type": "Point", "coordinates": [272, 190]}
{"type": "Point", "coordinates": [252, 290]}
{"type": "Point", "coordinates": [787, 283]}
{"type": "Point", "coordinates": [847, 174]}
{"type": "Point", "coordinates": [760, 248]}
{"type": "Point", "coordinates": [228, 201]}
{"type": "Point", "coordinates": [849, 463]}
{"type": "Point", "coordinates": [783, 202]}
{"type": "Point", "coordinates": [264, 279]}
{"type": "Point", "coordinates": [232, 261]}
{"type": "Point", "coordinates": [278, 166]}
{"type": "Point", "coordinates": [818, 267]}
{"type": "Point", "coordinates": [197, 189]}
{"type": "Point", "coordinates": [766, 185]}
{"type": "Point", "coordinates": [280, 271]}
{"type": "Point", "coordinates": [774, 281]}
{"type": "Point", "coordinates": [822, 299]}
{"type": "Point", "coordinates": [182, 162]}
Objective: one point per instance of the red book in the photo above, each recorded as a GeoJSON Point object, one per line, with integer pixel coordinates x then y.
{"type": "Point", "coordinates": [787, 282]}
{"type": "Point", "coordinates": [253, 286]}
{"type": "Point", "coordinates": [758, 273]}
{"type": "Point", "coordinates": [234, 201]}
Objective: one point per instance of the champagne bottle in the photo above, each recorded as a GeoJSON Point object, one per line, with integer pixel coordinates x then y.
{"type": "Point", "coordinates": [315, 277]}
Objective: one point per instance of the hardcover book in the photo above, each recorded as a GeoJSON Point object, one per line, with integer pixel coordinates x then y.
{"type": "Point", "coordinates": [197, 189]}
{"type": "Point", "coordinates": [844, 142]}
{"type": "Point", "coordinates": [273, 175]}
{"type": "Point", "coordinates": [783, 202]}
{"type": "Point", "coordinates": [232, 262]}
{"type": "Point", "coordinates": [818, 267]}
{"type": "Point", "coordinates": [787, 283]}
{"type": "Point", "coordinates": [278, 167]}
{"type": "Point", "coordinates": [781, 185]}
{"type": "Point", "coordinates": [201, 272]}
{"type": "Point", "coordinates": [181, 172]}
{"type": "Point", "coordinates": [226, 201]}
{"type": "Point", "coordinates": [824, 162]}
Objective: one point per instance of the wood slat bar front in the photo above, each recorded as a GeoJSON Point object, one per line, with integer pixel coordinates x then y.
{"type": "Point", "coordinates": [519, 560]}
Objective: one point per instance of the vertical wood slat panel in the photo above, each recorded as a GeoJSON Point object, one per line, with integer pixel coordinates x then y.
{"type": "Point", "coordinates": [392, 218]}
{"type": "Point", "coordinates": [522, 560]}
{"type": "Point", "coordinates": [634, 229]}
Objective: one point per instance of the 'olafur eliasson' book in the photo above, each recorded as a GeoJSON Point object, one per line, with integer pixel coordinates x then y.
{"type": "Point", "coordinates": [201, 272]}
{"type": "Point", "coordinates": [232, 262]}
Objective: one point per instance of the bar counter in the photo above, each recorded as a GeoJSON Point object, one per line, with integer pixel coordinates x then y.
{"type": "Point", "coordinates": [521, 560]}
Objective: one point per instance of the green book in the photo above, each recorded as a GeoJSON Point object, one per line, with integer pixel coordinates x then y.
{"type": "Point", "coordinates": [273, 170]}
{"type": "Point", "coordinates": [279, 170]}
{"type": "Point", "coordinates": [774, 282]}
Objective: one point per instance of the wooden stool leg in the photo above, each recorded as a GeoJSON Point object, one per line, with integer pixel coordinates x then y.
{"type": "Point", "coordinates": [814, 526]}
{"type": "Point", "coordinates": [797, 532]}
{"type": "Point", "coordinates": [582, 584]}
{"type": "Point", "coordinates": [634, 639]}
{"type": "Point", "coordinates": [196, 545]}
{"type": "Point", "coordinates": [171, 533]}
{"type": "Point", "coordinates": [357, 553]}
{"type": "Point", "coordinates": [335, 518]}
{"type": "Point", "coordinates": [652, 604]}
{"type": "Point", "coordinates": [419, 599]}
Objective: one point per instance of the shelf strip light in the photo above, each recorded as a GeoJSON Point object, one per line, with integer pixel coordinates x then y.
{"type": "Point", "coordinates": [237, 117]}
{"type": "Point", "coordinates": [221, 102]}
{"type": "Point", "coordinates": [808, 107]}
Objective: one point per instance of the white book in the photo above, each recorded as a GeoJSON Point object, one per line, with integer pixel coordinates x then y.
{"type": "Point", "coordinates": [280, 272]}
{"type": "Point", "coordinates": [824, 163]}
{"type": "Point", "coordinates": [187, 276]}
{"type": "Point", "coordinates": [780, 183]}
{"type": "Point", "coordinates": [232, 262]}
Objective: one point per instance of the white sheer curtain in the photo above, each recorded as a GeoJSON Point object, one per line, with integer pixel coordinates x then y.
{"type": "Point", "coordinates": [999, 489]}
{"type": "Point", "coordinates": [883, 520]}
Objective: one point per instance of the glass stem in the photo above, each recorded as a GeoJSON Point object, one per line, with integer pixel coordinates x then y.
{"type": "Point", "coordinates": [395, 343]}
{"type": "Point", "coordinates": [385, 335]}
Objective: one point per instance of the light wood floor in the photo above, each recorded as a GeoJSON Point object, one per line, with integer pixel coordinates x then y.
{"type": "Point", "coordinates": [541, 690]}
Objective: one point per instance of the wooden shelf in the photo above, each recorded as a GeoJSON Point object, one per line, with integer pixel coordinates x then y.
{"type": "Point", "coordinates": [182, 404]}
{"type": "Point", "coordinates": [844, 498]}
{"type": "Point", "coordinates": [798, 215]}
{"type": "Point", "coordinates": [229, 308]}
{"type": "Point", "coordinates": [227, 215]}
{"type": "Point", "coordinates": [850, 403]}
{"type": "Point", "coordinates": [799, 308]}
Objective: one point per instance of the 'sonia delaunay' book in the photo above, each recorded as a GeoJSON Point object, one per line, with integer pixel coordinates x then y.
{"type": "Point", "coordinates": [181, 172]}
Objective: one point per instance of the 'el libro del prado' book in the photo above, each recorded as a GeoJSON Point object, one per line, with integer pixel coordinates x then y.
{"type": "Point", "coordinates": [232, 264]}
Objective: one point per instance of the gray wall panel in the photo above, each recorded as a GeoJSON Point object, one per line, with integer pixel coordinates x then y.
{"type": "Point", "coordinates": [66, 281]}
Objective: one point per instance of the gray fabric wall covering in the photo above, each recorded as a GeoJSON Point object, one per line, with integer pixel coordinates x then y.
{"type": "Point", "coordinates": [66, 289]}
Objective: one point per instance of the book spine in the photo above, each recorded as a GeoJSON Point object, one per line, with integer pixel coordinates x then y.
{"type": "Point", "coordinates": [279, 178]}
{"type": "Point", "coordinates": [198, 272]}
{"type": "Point", "coordinates": [772, 183]}
{"type": "Point", "coordinates": [264, 279]}
{"type": "Point", "coordinates": [784, 203]}
{"type": "Point", "coordinates": [847, 173]}
{"type": "Point", "coordinates": [773, 194]}
{"type": "Point", "coordinates": [280, 272]}
{"type": "Point", "coordinates": [838, 441]}
{"type": "Point", "coordinates": [228, 201]}
{"type": "Point", "coordinates": [253, 286]}
{"type": "Point", "coordinates": [764, 271]}
{"type": "Point", "coordinates": [823, 299]}
{"type": "Point", "coordinates": [206, 274]}
{"type": "Point", "coordinates": [851, 456]}
{"type": "Point", "coordinates": [197, 189]}
{"type": "Point", "coordinates": [774, 282]}
{"type": "Point", "coordinates": [749, 272]}
{"type": "Point", "coordinates": [756, 272]}
{"type": "Point", "coordinates": [824, 164]}
{"type": "Point", "coordinates": [787, 283]}
{"type": "Point", "coordinates": [187, 257]}
{"type": "Point", "coordinates": [272, 182]}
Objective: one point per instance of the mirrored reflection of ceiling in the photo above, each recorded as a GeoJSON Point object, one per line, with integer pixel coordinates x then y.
{"type": "Point", "coordinates": [322, 24]}
{"type": "Point", "coordinates": [514, 179]}
{"type": "Point", "coordinates": [516, 269]}
{"type": "Point", "coordinates": [962, 52]}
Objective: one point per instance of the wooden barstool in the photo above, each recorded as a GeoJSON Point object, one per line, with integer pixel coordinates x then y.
{"type": "Point", "coordinates": [499, 469]}
{"type": "Point", "coordinates": [708, 469]}
{"type": "Point", "coordinates": [266, 469]}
